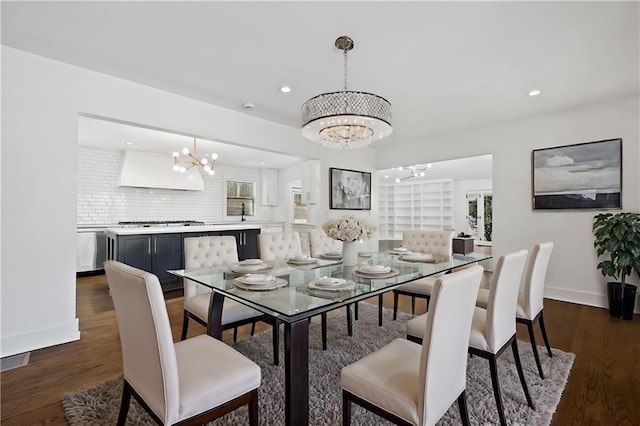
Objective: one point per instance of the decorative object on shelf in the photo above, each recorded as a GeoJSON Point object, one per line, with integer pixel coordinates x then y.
{"type": "Point", "coordinates": [346, 119]}
{"type": "Point", "coordinates": [349, 229]}
{"type": "Point", "coordinates": [350, 190]}
{"type": "Point", "coordinates": [581, 176]}
{"type": "Point", "coordinates": [190, 159]}
{"type": "Point", "coordinates": [414, 171]}
{"type": "Point", "coordinates": [619, 236]}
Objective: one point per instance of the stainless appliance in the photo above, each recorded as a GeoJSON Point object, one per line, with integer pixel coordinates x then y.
{"type": "Point", "coordinates": [91, 249]}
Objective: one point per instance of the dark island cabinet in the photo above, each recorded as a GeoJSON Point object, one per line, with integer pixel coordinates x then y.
{"type": "Point", "coordinates": [155, 253]}
{"type": "Point", "coordinates": [158, 253]}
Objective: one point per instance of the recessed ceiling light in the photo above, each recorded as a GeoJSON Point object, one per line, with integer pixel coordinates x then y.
{"type": "Point", "coordinates": [386, 176]}
{"type": "Point", "coordinates": [285, 89]}
{"type": "Point", "coordinates": [535, 92]}
{"type": "Point", "coordinates": [248, 106]}
{"type": "Point", "coordinates": [128, 143]}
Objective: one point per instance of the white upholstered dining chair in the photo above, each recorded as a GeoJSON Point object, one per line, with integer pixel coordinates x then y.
{"type": "Point", "coordinates": [279, 245]}
{"type": "Point", "coordinates": [175, 383]}
{"type": "Point", "coordinates": [428, 241]}
{"type": "Point", "coordinates": [531, 300]}
{"type": "Point", "coordinates": [493, 329]}
{"type": "Point", "coordinates": [409, 383]}
{"type": "Point", "coordinates": [206, 252]}
{"type": "Point", "coordinates": [320, 243]}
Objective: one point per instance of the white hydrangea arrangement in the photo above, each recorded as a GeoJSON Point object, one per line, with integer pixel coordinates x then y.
{"type": "Point", "coordinates": [348, 228]}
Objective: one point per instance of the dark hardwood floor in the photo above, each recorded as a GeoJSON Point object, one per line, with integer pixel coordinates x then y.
{"type": "Point", "coordinates": [603, 388]}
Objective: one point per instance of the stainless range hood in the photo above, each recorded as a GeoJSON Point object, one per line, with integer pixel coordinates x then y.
{"type": "Point", "coordinates": [152, 170]}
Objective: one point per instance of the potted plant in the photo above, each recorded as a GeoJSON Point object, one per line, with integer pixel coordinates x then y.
{"type": "Point", "coordinates": [618, 235]}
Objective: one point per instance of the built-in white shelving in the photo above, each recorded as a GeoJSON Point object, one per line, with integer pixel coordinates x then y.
{"type": "Point", "coordinates": [415, 205]}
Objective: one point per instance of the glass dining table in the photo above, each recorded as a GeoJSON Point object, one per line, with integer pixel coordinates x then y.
{"type": "Point", "coordinates": [306, 290]}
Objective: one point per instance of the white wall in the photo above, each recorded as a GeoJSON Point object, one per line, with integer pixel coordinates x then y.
{"type": "Point", "coordinates": [41, 100]}
{"type": "Point", "coordinates": [101, 201]}
{"type": "Point", "coordinates": [572, 273]}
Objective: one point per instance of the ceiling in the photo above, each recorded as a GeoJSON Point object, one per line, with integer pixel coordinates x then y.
{"type": "Point", "coordinates": [444, 66]}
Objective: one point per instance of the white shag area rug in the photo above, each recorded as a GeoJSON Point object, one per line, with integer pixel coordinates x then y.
{"type": "Point", "coordinates": [99, 405]}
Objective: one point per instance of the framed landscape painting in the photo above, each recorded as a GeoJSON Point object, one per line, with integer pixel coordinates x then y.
{"type": "Point", "coordinates": [349, 189]}
{"type": "Point", "coordinates": [581, 176]}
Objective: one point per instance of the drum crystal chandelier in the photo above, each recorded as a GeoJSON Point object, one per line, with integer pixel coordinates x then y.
{"type": "Point", "coordinates": [346, 119]}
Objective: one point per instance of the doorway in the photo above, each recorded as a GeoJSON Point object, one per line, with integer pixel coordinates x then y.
{"type": "Point", "coordinates": [480, 214]}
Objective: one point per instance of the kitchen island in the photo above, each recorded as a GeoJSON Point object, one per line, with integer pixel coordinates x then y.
{"type": "Point", "coordinates": [157, 249]}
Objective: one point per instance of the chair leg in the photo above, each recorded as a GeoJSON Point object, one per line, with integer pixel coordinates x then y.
{"type": "Point", "coordinates": [534, 348]}
{"type": "Point", "coordinates": [185, 324]}
{"type": "Point", "coordinates": [349, 321]}
{"type": "Point", "coordinates": [413, 305]}
{"type": "Point", "coordinates": [355, 311]}
{"type": "Point", "coordinates": [516, 357]}
{"type": "Point", "coordinates": [235, 334]}
{"type": "Point", "coordinates": [544, 334]}
{"type": "Point", "coordinates": [380, 310]}
{"type": "Point", "coordinates": [496, 388]}
{"type": "Point", "coordinates": [124, 403]}
{"type": "Point", "coordinates": [253, 328]}
{"type": "Point", "coordinates": [323, 317]}
{"type": "Point", "coordinates": [462, 406]}
{"type": "Point", "coordinates": [276, 341]}
{"type": "Point", "coordinates": [395, 305]}
{"type": "Point", "coordinates": [346, 410]}
{"type": "Point", "coordinates": [253, 408]}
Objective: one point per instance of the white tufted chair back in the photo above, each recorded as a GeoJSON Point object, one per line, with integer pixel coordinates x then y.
{"type": "Point", "coordinates": [320, 243]}
{"type": "Point", "coordinates": [149, 361]}
{"type": "Point", "coordinates": [205, 252]}
{"type": "Point", "coordinates": [279, 245]}
{"type": "Point", "coordinates": [428, 241]}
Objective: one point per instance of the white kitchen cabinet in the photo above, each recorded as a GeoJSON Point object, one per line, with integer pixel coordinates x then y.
{"type": "Point", "coordinates": [310, 181]}
{"type": "Point", "coordinates": [269, 187]}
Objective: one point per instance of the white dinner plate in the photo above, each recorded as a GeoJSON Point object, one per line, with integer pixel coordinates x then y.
{"type": "Point", "coordinates": [343, 285]}
{"type": "Point", "coordinates": [257, 279]}
{"type": "Point", "coordinates": [374, 269]}
{"type": "Point", "coordinates": [277, 283]}
{"type": "Point", "coordinates": [244, 269]}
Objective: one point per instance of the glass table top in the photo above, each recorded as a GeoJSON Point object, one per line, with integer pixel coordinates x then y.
{"type": "Point", "coordinates": [299, 294]}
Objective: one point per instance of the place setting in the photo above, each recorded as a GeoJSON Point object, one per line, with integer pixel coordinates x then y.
{"type": "Point", "coordinates": [250, 266]}
{"type": "Point", "coordinates": [401, 251]}
{"type": "Point", "coordinates": [418, 258]}
{"type": "Point", "coordinates": [331, 284]}
{"type": "Point", "coordinates": [259, 282]}
{"type": "Point", "coordinates": [375, 271]}
{"type": "Point", "coordinates": [332, 255]}
{"type": "Point", "coordinates": [302, 260]}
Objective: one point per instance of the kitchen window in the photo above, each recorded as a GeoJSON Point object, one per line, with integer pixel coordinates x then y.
{"type": "Point", "coordinates": [240, 198]}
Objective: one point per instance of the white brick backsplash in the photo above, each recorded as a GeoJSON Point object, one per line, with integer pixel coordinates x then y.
{"type": "Point", "coordinates": [101, 201]}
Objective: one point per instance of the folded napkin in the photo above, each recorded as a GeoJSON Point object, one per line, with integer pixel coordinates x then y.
{"type": "Point", "coordinates": [330, 281]}
{"type": "Point", "coordinates": [250, 262]}
{"type": "Point", "coordinates": [375, 269]}
{"type": "Point", "coordinates": [400, 249]}
{"type": "Point", "coordinates": [258, 278]}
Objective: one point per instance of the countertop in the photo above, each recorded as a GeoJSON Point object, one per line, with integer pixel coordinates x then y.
{"type": "Point", "coordinates": [226, 226]}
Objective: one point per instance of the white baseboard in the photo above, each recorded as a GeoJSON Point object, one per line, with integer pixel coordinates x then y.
{"type": "Point", "coordinates": [12, 345]}
{"type": "Point", "coordinates": [582, 298]}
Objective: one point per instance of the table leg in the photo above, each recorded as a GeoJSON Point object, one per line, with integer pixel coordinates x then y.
{"type": "Point", "coordinates": [296, 367]}
{"type": "Point", "coordinates": [214, 322]}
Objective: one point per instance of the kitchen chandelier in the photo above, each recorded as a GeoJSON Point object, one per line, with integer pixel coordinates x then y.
{"type": "Point", "coordinates": [189, 159]}
{"type": "Point", "coordinates": [414, 171]}
{"type": "Point", "coordinates": [346, 119]}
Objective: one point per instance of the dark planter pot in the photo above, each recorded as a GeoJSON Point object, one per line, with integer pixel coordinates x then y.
{"type": "Point", "coordinates": [621, 300]}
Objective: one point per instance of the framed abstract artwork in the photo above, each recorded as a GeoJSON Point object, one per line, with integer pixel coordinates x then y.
{"type": "Point", "coordinates": [581, 176]}
{"type": "Point", "coordinates": [349, 189]}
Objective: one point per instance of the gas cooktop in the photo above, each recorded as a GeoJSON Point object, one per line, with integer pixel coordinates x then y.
{"type": "Point", "coordinates": [146, 224]}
